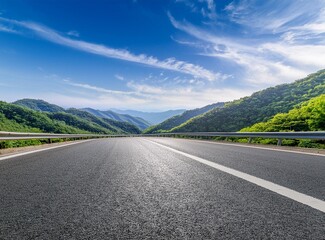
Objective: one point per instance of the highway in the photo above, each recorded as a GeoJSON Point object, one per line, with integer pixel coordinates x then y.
{"type": "Point", "coordinates": [162, 188]}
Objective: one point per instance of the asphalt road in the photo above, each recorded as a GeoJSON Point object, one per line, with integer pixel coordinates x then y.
{"type": "Point", "coordinates": [132, 188]}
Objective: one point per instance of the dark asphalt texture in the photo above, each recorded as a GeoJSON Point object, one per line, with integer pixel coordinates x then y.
{"type": "Point", "coordinates": [129, 188]}
{"type": "Point", "coordinates": [300, 172]}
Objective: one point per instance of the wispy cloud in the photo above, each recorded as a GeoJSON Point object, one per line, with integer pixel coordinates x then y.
{"type": "Point", "coordinates": [189, 3]}
{"type": "Point", "coordinates": [98, 89]}
{"type": "Point", "coordinates": [284, 40]}
{"type": "Point", "coordinates": [171, 64]}
{"type": "Point", "coordinates": [296, 20]}
{"type": "Point", "coordinates": [207, 8]}
{"type": "Point", "coordinates": [272, 15]}
{"type": "Point", "coordinates": [210, 11]}
{"type": "Point", "coordinates": [119, 77]}
{"type": "Point", "coordinates": [147, 97]}
{"type": "Point", "coordinates": [73, 33]}
{"type": "Point", "coordinates": [7, 29]}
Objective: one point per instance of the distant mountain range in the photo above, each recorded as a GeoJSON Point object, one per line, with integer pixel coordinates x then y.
{"type": "Point", "coordinates": [151, 117]}
{"type": "Point", "coordinates": [137, 121]}
{"type": "Point", "coordinates": [179, 119]}
{"type": "Point", "coordinates": [140, 119]}
{"type": "Point", "coordinates": [19, 117]}
{"type": "Point", "coordinates": [43, 106]}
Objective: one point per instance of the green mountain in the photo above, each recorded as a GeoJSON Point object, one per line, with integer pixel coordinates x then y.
{"type": "Point", "coordinates": [78, 118]}
{"type": "Point", "coordinates": [179, 119]}
{"type": "Point", "coordinates": [39, 105]}
{"type": "Point", "coordinates": [17, 118]}
{"type": "Point", "coordinates": [137, 121]}
{"type": "Point", "coordinates": [308, 116]}
{"type": "Point", "coordinates": [13, 126]}
{"type": "Point", "coordinates": [259, 107]}
{"type": "Point", "coordinates": [104, 122]}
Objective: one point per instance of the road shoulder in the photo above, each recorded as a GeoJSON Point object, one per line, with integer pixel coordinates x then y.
{"type": "Point", "coordinates": [11, 152]}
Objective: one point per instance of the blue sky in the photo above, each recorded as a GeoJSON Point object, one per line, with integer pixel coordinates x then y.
{"type": "Point", "coordinates": [155, 55]}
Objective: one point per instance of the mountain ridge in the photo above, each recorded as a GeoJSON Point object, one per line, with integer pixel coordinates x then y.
{"type": "Point", "coordinates": [43, 106]}
{"type": "Point", "coordinates": [66, 121]}
{"type": "Point", "coordinates": [139, 122]}
{"type": "Point", "coordinates": [259, 107]}
{"type": "Point", "coordinates": [39, 105]}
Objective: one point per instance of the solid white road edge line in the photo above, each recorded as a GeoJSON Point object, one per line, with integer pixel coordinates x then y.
{"type": "Point", "coordinates": [41, 150]}
{"type": "Point", "coordinates": [257, 147]}
{"type": "Point", "coordinates": [286, 192]}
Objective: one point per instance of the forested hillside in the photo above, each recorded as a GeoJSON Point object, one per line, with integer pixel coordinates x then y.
{"type": "Point", "coordinates": [19, 118]}
{"type": "Point", "coordinates": [22, 119]}
{"type": "Point", "coordinates": [81, 119]}
{"type": "Point", "coordinates": [308, 116]}
{"type": "Point", "coordinates": [39, 105]}
{"type": "Point", "coordinates": [13, 126]}
{"type": "Point", "coordinates": [137, 121]}
{"type": "Point", "coordinates": [120, 120]}
{"type": "Point", "coordinates": [115, 126]}
{"type": "Point", "coordinates": [259, 107]}
{"type": "Point", "coordinates": [179, 119]}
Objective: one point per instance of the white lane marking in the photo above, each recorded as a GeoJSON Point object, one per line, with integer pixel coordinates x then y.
{"type": "Point", "coordinates": [286, 192]}
{"type": "Point", "coordinates": [263, 148]}
{"type": "Point", "coordinates": [40, 150]}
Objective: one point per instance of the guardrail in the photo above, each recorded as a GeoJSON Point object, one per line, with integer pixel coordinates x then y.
{"type": "Point", "coordinates": [24, 136]}
{"type": "Point", "coordinates": [320, 135]}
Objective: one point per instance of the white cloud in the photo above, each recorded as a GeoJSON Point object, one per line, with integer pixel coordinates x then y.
{"type": "Point", "coordinates": [73, 33]}
{"type": "Point", "coordinates": [296, 20]}
{"type": "Point", "coordinates": [169, 64]}
{"type": "Point", "coordinates": [203, 35]}
{"type": "Point", "coordinates": [119, 77]}
{"type": "Point", "coordinates": [7, 29]}
{"type": "Point", "coordinates": [303, 56]}
{"type": "Point", "coordinates": [189, 3]}
{"type": "Point", "coordinates": [207, 8]}
{"type": "Point", "coordinates": [293, 49]}
{"type": "Point", "coordinates": [98, 89]}
{"type": "Point", "coordinates": [145, 89]}
{"type": "Point", "coordinates": [147, 97]}
{"type": "Point", "coordinates": [210, 11]}
{"type": "Point", "coordinates": [273, 15]}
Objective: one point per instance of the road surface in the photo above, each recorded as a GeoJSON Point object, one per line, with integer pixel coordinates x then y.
{"type": "Point", "coordinates": [162, 188]}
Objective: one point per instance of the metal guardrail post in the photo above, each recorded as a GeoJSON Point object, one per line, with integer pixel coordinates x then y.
{"type": "Point", "coordinates": [279, 142]}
